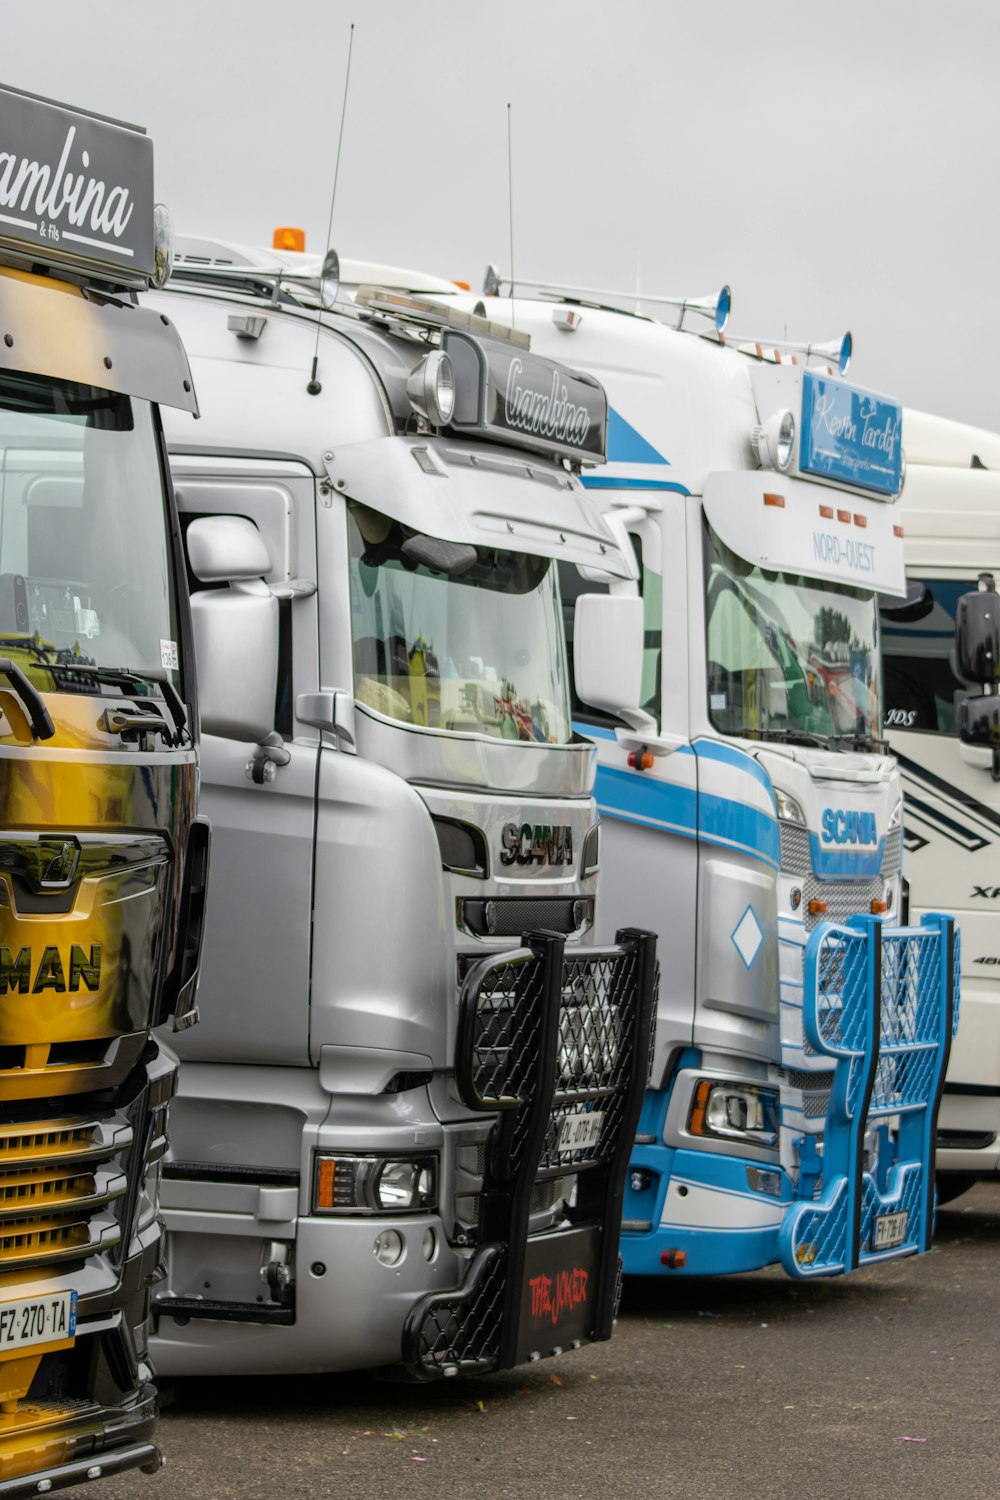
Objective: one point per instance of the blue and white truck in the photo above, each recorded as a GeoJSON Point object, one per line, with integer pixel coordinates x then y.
{"type": "Point", "coordinates": [751, 812]}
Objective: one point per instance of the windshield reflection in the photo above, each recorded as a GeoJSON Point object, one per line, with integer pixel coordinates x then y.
{"type": "Point", "coordinates": [789, 657]}
{"type": "Point", "coordinates": [480, 651]}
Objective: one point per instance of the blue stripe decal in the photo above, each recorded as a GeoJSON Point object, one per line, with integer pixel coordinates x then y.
{"type": "Point", "coordinates": [606, 482]}
{"type": "Point", "coordinates": [729, 756]}
{"type": "Point", "coordinates": [628, 446]}
{"type": "Point", "coordinates": [662, 804]}
{"type": "Point", "coordinates": [845, 864]}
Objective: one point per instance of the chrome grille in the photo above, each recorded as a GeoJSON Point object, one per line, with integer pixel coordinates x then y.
{"type": "Point", "coordinates": [843, 899]}
{"type": "Point", "coordinates": [58, 1184]}
{"type": "Point", "coordinates": [795, 856]}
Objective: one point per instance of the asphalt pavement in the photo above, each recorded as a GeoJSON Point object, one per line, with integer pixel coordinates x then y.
{"type": "Point", "coordinates": [881, 1385]}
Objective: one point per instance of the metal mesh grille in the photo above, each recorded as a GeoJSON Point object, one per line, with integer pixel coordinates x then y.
{"type": "Point", "coordinates": [795, 855]}
{"type": "Point", "coordinates": [875, 1002]}
{"type": "Point", "coordinates": [547, 1039]}
{"type": "Point", "coordinates": [505, 1052]}
{"type": "Point", "coordinates": [843, 898]}
{"type": "Point", "coordinates": [461, 1330]}
{"type": "Point", "coordinates": [511, 916]}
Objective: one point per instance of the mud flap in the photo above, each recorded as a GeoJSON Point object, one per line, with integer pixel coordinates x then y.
{"type": "Point", "coordinates": [555, 1043]}
{"type": "Point", "coordinates": [882, 1002]}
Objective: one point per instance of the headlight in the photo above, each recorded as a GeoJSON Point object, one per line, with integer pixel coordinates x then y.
{"type": "Point", "coordinates": [789, 810]}
{"type": "Point", "coordinates": [735, 1111]}
{"type": "Point", "coordinates": [374, 1184]}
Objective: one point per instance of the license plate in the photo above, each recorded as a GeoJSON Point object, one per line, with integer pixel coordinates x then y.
{"type": "Point", "coordinates": [580, 1131]}
{"type": "Point", "coordinates": [37, 1320]}
{"type": "Point", "coordinates": [890, 1230]}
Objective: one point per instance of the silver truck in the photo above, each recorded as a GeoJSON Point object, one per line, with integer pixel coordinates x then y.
{"type": "Point", "coordinates": [402, 1128]}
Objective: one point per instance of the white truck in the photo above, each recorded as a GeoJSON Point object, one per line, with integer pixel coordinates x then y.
{"type": "Point", "coordinates": [402, 1129]}
{"type": "Point", "coordinates": [750, 810]}
{"type": "Point", "coordinates": [951, 515]}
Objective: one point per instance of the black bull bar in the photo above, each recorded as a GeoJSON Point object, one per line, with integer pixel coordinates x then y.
{"type": "Point", "coordinates": [554, 1042]}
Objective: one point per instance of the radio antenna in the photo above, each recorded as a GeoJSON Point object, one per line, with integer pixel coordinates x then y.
{"type": "Point", "coordinates": [314, 387]}
{"type": "Point", "coordinates": [510, 212]}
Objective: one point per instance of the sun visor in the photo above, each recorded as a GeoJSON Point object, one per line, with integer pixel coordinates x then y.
{"type": "Point", "coordinates": [51, 329]}
{"type": "Point", "coordinates": [793, 526]}
{"type": "Point", "coordinates": [479, 495]}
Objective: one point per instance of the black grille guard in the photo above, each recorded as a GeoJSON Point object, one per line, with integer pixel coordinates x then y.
{"type": "Point", "coordinates": [548, 1036]}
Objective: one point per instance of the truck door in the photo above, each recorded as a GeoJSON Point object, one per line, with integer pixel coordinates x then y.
{"type": "Point", "coordinates": [258, 934]}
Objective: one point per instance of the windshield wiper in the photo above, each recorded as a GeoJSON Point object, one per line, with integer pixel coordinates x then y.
{"type": "Point", "coordinates": [792, 736]}
{"type": "Point", "coordinates": [858, 741]}
{"type": "Point", "coordinates": [126, 678]}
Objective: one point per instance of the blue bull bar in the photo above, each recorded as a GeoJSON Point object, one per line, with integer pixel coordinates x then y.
{"type": "Point", "coordinates": [882, 1003]}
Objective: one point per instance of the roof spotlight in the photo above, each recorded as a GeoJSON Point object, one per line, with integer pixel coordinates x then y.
{"type": "Point", "coordinates": [431, 388]}
{"type": "Point", "coordinates": [329, 279]}
{"type": "Point", "coordinates": [774, 442]}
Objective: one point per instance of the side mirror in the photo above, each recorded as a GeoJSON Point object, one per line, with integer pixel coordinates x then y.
{"type": "Point", "coordinates": [608, 634]}
{"type": "Point", "coordinates": [235, 629]}
{"type": "Point", "coordinates": [977, 634]}
{"type": "Point", "coordinates": [225, 549]}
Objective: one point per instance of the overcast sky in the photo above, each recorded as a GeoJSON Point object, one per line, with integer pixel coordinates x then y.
{"type": "Point", "coordinates": [835, 163]}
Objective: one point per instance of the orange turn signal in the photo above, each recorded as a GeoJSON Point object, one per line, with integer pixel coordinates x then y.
{"type": "Point", "coordinates": [640, 760]}
{"type": "Point", "coordinates": [878, 907]}
{"type": "Point", "coordinates": [324, 1182]}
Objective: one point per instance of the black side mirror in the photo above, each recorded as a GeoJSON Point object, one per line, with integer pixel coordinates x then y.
{"type": "Point", "coordinates": [977, 634]}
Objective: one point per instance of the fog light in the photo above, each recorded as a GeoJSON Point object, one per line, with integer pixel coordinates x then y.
{"type": "Point", "coordinates": [795, 898]}
{"type": "Point", "coordinates": [639, 1180]}
{"type": "Point", "coordinates": [428, 1244]}
{"type": "Point", "coordinates": [389, 1247]}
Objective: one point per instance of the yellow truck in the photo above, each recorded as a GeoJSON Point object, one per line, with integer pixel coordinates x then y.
{"type": "Point", "coordinates": [103, 861]}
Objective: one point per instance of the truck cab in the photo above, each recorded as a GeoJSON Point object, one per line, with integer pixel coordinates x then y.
{"type": "Point", "coordinates": [102, 859]}
{"type": "Point", "coordinates": [751, 811]}
{"type": "Point", "coordinates": [402, 1128]}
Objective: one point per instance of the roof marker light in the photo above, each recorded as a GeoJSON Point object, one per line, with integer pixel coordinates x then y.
{"type": "Point", "coordinates": [826, 511]}
{"type": "Point", "coordinates": [897, 531]}
{"type": "Point", "coordinates": [288, 239]}
{"type": "Point", "coordinates": [778, 500]}
{"type": "Point", "coordinates": [861, 521]}
{"type": "Point", "coordinates": [845, 516]}
{"type": "Point", "coordinates": [817, 908]}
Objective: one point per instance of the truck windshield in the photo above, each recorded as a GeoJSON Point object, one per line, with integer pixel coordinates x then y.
{"type": "Point", "coordinates": [85, 575]}
{"type": "Point", "coordinates": [789, 657]}
{"type": "Point", "coordinates": [479, 650]}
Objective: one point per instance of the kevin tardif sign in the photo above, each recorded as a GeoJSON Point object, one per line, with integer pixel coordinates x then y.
{"type": "Point", "coordinates": [75, 187]}
{"type": "Point", "coordinates": [502, 391]}
{"type": "Point", "coordinates": [850, 435]}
